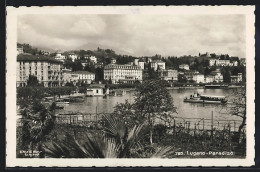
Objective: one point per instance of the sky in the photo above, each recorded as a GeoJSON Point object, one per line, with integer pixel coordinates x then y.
{"type": "Point", "coordinates": [137, 35]}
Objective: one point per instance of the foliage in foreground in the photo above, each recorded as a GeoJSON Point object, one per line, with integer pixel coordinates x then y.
{"type": "Point", "coordinates": [152, 101]}
{"type": "Point", "coordinates": [115, 141]}
{"type": "Point", "coordinates": [37, 122]}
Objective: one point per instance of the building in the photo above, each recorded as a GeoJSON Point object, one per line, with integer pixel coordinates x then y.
{"type": "Point", "coordinates": [169, 75]}
{"type": "Point", "coordinates": [113, 61]}
{"type": "Point", "coordinates": [136, 60]}
{"type": "Point", "coordinates": [97, 90]}
{"type": "Point", "coordinates": [20, 50]}
{"type": "Point", "coordinates": [76, 76]}
{"type": "Point", "coordinates": [45, 53]}
{"type": "Point", "coordinates": [217, 76]}
{"type": "Point", "coordinates": [130, 63]}
{"type": "Point", "coordinates": [122, 73]}
{"type": "Point", "coordinates": [84, 63]}
{"type": "Point", "coordinates": [149, 60]}
{"type": "Point", "coordinates": [158, 64]}
{"type": "Point", "coordinates": [217, 62]}
{"type": "Point", "coordinates": [209, 78]}
{"type": "Point", "coordinates": [184, 66]}
{"type": "Point", "coordinates": [99, 65]}
{"type": "Point", "coordinates": [73, 56]}
{"type": "Point", "coordinates": [198, 78]}
{"type": "Point", "coordinates": [141, 64]}
{"type": "Point", "coordinates": [47, 70]}
{"type": "Point", "coordinates": [236, 78]}
{"type": "Point", "coordinates": [189, 74]}
{"type": "Point", "coordinates": [92, 59]}
{"type": "Point", "coordinates": [60, 56]}
{"type": "Point", "coordinates": [243, 62]}
{"type": "Point", "coordinates": [234, 63]}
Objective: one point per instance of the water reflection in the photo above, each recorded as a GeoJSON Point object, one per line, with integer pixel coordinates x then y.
{"type": "Point", "coordinates": [185, 110]}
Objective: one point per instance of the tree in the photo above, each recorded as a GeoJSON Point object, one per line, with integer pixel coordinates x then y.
{"type": "Point", "coordinates": [110, 81]}
{"type": "Point", "coordinates": [126, 110]}
{"type": "Point", "coordinates": [207, 71]}
{"type": "Point", "coordinates": [37, 122]}
{"type": "Point", "coordinates": [237, 107]}
{"type": "Point", "coordinates": [69, 84]}
{"type": "Point", "coordinates": [182, 79]}
{"type": "Point", "coordinates": [151, 101]}
{"type": "Point", "coordinates": [151, 73]}
{"type": "Point", "coordinates": [32, 81]}
{"type": "Point", "coordinates": [226, 75]}
{"type": "Point", "coordinates": [77, 66]}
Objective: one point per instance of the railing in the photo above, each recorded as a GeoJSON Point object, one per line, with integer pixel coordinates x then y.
{"type": "Point", "coordinates": [199, 124]}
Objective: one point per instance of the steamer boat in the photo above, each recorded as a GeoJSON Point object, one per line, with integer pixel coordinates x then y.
{"type": "Point", "coordinates": [207, 99]}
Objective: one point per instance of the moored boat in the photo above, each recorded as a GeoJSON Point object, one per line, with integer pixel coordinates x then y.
{"type": "Point", "coordinates": [215, 86]}
{"type": "Point", "coordinates": [207, 99]}
{"type": "Point", "coordinates": [62, 101]}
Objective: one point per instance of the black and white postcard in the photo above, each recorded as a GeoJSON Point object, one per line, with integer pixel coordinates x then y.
{"type": "Point", "coordinates": [110, 85]}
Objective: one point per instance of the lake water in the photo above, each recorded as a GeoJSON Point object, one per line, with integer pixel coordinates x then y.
{"type": "Point", "coordinates": [184, 110]}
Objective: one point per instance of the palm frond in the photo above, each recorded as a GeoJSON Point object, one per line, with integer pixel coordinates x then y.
{"type": "Point", "coordinates": [115, 126]}
{"type": "Point", "coordinates": [134, 136]}
{"type": "Point", "coordinates": [54, 150]}
{"type": "Point", "coordinates": [94, 147]}
{"type": "Point", "coordinates": [111, 148]}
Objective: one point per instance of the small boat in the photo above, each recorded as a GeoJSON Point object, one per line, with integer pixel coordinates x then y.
{"type": "Point", "coordinates": [215, 86]}
{"type": "Point", "coordinates": [207, 99]}
{"type": "Point", "coordinates": [62, 101]}
{"type": "Point", "coordinates": [75, 98]}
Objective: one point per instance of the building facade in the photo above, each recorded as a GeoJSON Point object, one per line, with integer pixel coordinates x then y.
{"type": "Point", "coordinates": [209, 78]}
{"type": "Point", "coordinates": [243, 62]}
{"type": "Point", "coordinates": [47, 70]}
{"type": "Point", "coordinates": [236, 78]}
{"type": "Point", "coordinates": [20, 50]}
{"type": "Point", "coordinates": [59, 56]}
{"type": "Point", "coordinates": [184, 66]}
{"type": "Point", "coordinates": [217, 62]}
{"type": "Point", "coordinates": [73, 56]}
{"type": "Point", "coordinates": [141, 64]}
{"type": "Point", "coordinates": [136, 61]}
{"type": "Point", "coordinates": [93, 59]}
{"type": "Point", "coordinates": [169, 75]}
{"type": "Point", "coordinates": [218, 77]}
{"type": "Point", "coordinates": [198, 78]}
{"type": "Point", "coordinates": [76, 76]}
{"type": "Point", "coordinates": [122, 73]}
{"type": "Point", "coordinates": [97, 90]}
{"type": "Point", "coordinates": [157, 64]}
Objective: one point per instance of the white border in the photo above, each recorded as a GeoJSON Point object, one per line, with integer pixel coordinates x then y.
{"type": "Point", "coordinates": [13, 13]}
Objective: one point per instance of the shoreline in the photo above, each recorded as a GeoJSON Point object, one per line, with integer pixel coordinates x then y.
{"type": "Point", "coordinates": [190, 87]}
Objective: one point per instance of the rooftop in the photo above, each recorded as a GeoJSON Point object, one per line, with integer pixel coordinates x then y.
{"type": "Point", "coordinates": [125, 66]}
{"type": "Point", "coordinates": [29, 57]}
{"type": "Point", "coordinates": [82, 72]}
{"type": "Point", "coordinates": [97, 86]}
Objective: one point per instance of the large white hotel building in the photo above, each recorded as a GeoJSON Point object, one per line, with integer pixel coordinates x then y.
{"type": "Point", "coordinates": [47, 70]}
{"type": "Point", "coordinates": [122, 73]}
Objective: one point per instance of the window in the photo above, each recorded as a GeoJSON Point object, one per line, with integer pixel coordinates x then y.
{"type": "Point", "coordinates": [97, 91]}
